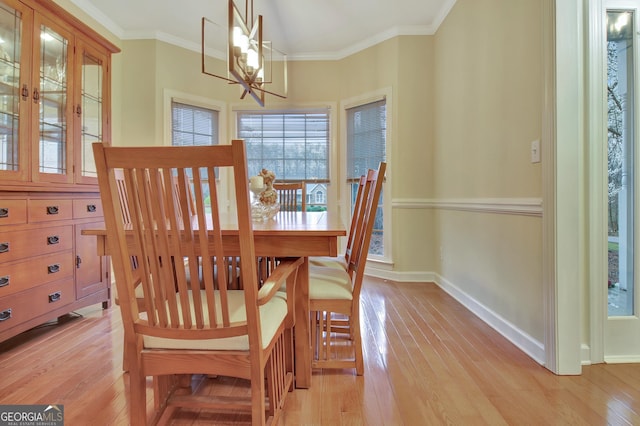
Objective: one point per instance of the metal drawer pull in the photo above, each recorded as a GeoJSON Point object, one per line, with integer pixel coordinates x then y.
{"type": "Point", "coordinates": [4, 281]}
{"type": "Point", "coordinates": [4, 212]}
{"type": "Point", "coordinates": [53, 268]}
{"type": "Point", "coordinates": [91, 208]}
{"type": "Point", "coordinates": [54, 297]}
{"type": "Point", "coordinates": [52, 209]}
{"type": "Point", "coordinates": [5, 315]}
{"type": "Point", "coordinates": [4, 247]}
{"type": "Point", "coordinates": [53, 239]}
{"type": "Point", "coordinates": [78, 262]}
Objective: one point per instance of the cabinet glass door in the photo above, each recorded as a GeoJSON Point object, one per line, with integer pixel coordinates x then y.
{"type": "Point", "coordinates": [53, 106]}
{"type": "Point", "coordinates": [13, 153]}
{"type": "Point", "coordinates": [90, 110]}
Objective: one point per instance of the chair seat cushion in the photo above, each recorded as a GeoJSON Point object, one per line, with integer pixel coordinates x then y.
{"type": "Point", "coordinates": [272, 314]}
{"type": "Point", "coordinates": [338, 262]}
{"type": "Point", "coordinates": [329, 283]}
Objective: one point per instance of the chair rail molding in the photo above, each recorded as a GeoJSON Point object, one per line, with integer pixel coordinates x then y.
{"type": "Point", "coordinates": [514, 206]}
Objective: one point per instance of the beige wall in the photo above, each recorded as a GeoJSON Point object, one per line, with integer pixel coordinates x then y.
{"type": "Point", "coordinates": [411, 153]}
{"type": "Point", "coordinates": [140, 99]}
{"type": "Point", "coordinates": [489, 88]}
{"type": "Point", "coordinates": [489, 99]}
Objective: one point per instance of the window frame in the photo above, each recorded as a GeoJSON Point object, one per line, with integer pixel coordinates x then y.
{"type": "Point", "coordinates": [384, 261]}
{"type": "Point", "coordinates": [332, 189]}
{"type": "Point", "coordinates": [170, 96]}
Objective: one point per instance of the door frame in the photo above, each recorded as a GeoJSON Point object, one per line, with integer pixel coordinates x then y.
{"type": "Point", "coordinates": [597, 221]}
{"type": "Point", "coordinates": [598, 175]}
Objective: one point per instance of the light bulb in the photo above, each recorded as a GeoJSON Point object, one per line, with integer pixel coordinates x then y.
{"type": "Point", "coordinates": [237, 32]}
{"type": "Point", "coordinates": [252, 59]}
{"type": "Point", "coordinates": [240, 39]}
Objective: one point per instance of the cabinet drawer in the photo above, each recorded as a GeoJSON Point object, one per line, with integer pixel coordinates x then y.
{"type": "Point", "coordinates": [87, 208]}
{"type": "Point", "coordinates": [19, 276]}
{"type": "Point", "coordinates": [13, 212]}
{"type": "Point", "coordinates": [25, 305]}
{"type": "Point", "coordinates": [16, 245]}
{"type": "Point", "coordinates": [50, 210]}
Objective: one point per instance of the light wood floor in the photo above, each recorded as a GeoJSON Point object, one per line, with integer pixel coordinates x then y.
{"type": "Point", "coordinates": [428, 362]}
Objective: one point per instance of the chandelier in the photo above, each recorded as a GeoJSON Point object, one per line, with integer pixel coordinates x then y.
{"type": "Point", "coordinates": [250, 59]}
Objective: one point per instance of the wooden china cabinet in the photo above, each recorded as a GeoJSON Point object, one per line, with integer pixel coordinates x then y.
{"type": "Point", "coordinates": [54, 102]}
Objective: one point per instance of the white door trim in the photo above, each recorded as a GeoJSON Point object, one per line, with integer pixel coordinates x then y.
{"type": "Point", "coordinates": [563, 188]}
{"type": "Point", "coordinates": [597, 176]}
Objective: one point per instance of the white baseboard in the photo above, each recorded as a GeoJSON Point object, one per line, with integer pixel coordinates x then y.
{"type": "Point", "coordinates": [522, 340]}
{"type": "Point", "coordinates": [403, 277]}
{"type": "Point", "coordinates": [621, 359]}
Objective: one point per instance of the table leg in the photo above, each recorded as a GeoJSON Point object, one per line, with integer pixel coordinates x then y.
{"type": "Point", "coordinates": [301, 330]}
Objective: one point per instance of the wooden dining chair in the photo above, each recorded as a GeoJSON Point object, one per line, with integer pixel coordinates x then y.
{"type": "Point", "coordinates": [288, 196]}
{"type": "Point", "coordinates": [334, 293]}
{"type": "Point", "coordinates": [357, 215]}
{"type": "Point", "coordinates": [185, 329]}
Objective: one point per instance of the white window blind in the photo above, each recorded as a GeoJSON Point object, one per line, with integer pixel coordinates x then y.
{"type": "Point", "coordinates": [193, 125]}
{"type": "Point", "coordinates": [294, 145]}
{"type": "Point", "coordinates": [366, 138]}
{"type": "Point", "coordinates": [366, 148]}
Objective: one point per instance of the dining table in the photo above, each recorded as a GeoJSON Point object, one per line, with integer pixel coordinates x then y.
{"type": "Point", "coordinates": [288, 234]}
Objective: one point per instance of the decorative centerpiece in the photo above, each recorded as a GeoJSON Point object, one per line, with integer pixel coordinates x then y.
{"type": "Point", "coordinates": [265, 199]}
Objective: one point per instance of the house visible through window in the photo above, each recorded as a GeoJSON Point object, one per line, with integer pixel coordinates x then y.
{"type": "Point", "coordinates": [366, 148]}
{"type": "Point", "coordinates": [294, 145]}
{"type": "Point", "coordinates": [194, 126]}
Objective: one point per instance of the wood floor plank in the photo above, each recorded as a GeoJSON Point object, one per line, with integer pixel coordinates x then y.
{"type": "Point", "coordinates": [428, 360]}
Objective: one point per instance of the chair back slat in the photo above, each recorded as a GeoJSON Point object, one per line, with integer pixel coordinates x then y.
{"type": "Point", "coordinates": [288, 195]}
{"type": "Point", "coordinates": [151, 242]}
{"type": "Point", "coordinates": [183, 247]}
{"type": "Point", "coordinates": [122, 193]}
{"type": "Point", "coordinates": [189, 254]}
{"type": "Point", "coordinates": [174, 230]}
{"type": "Point", "coordinates": [141, 245]}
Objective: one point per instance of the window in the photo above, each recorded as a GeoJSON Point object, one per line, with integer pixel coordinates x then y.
{"type": "Point", "coordinates": [366, 148]}
{"type": "Point", "coordinates": [294, 145]}
{"type": "Point", "coordinates": [194, 126]}
{"type": "Point", "coordinates": [622, 175]}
